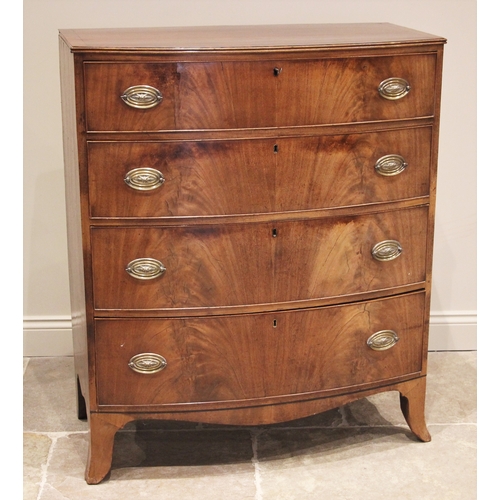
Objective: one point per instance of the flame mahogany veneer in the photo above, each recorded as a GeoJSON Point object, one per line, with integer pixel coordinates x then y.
{"type": "Point", "coordinates": [250, 221]}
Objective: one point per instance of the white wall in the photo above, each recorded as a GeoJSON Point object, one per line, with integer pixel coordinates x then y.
{"type": "Point", "coordinates": [46, 288]}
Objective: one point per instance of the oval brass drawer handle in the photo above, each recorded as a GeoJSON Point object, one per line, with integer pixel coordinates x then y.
{"type": "Point", "coordinates": [144, 179]}
{"type": "Point", "coordinates": [394, 88]}
{"type": "Point", "coordinates": [147, 363]}
{"type": "Point", "coordinates": [145, 268]}
{"type": "Point", "coordinates": [142, 97]}
{"type": "Point", "coordinates": [382, 340]}
{"type": "Point", "coordinates": [387, 250]}
{"type": "Point", "coordinates": [390, 165]}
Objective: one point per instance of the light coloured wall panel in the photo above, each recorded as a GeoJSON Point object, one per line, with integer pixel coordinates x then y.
{"type": "Point", "coordinates": [453, 332]}
{"type": "Point", "coordinates": [47, 336]}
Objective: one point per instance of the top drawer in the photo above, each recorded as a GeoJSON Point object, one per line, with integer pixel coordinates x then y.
{"type": "Point", "coordinates": [245, 94]}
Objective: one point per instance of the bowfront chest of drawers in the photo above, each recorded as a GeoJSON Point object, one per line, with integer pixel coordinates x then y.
{"type": "Point", "coordinates": [250, 221]}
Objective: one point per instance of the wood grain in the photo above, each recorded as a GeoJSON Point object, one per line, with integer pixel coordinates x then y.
{"type": "Point", "coordinates": [105, 84]}
{"type": "Point", "coordinates": [247, 94]}
{"type": "Point", "coordinates": [338, 171]}
{"type": "Point", "coordinates": [243, 264]}
{"type": "Point", "coordinates": [257, 356]}
{"type": "Point", "coordinates": [85, 394]}
{"type": "Point", "coordinates": [226, 95]}
{"type": "Point", "coordinates": [257, 176]}
{"type": "Point", "coordinates": [346, 90]}
{"type": "Point", "coordinates": [201, 178]}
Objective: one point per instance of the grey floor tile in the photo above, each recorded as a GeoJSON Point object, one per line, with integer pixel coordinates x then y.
{"type": "Point", "coordinates": [451, 395]}
{"type": "Point", "coordinates": [157, 465]}
{"type": "Point", "coordinates": [50, 397]}
{"type": "Point", "coordinates": [370, 463]}
{"type": "Point", "coordinates": [452, 387]}
{"type": "Point", "coordinates": [379, 410]}
{"type": "Point", "coordinates": [177, 448]}
{"type": "Point", "coordinates": [36, 449]}
{"type": "Point", "coordinates": [330, 418]}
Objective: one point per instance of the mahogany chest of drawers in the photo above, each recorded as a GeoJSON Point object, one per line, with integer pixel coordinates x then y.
{"type": "Point", "coordinates": [250, 221]}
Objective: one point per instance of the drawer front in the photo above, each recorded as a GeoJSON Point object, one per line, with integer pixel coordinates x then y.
{"type": "Point", "coordinates": [199, 178]}
{"type": "Point", "coordinates": [346, 90]}
{"type": "Point", "coordinates": [257, 356]}
{"type": "Point", "coordinates": [243, 264]}
{"type": "Point", "coordinates": [356, 169]}
{"type": "Point", "coordinates": [242, 94]}
{"type": "Point", "coordinates": [106, 83]}
{"type": "Point", "coordinates": [160, 179]}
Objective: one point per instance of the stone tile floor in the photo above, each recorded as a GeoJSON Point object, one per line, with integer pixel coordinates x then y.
{"type": "Point", "coordinates": [361, 451]}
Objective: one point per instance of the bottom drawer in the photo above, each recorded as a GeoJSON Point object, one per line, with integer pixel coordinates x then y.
{"type": "Point", "coordinates": [255, 356]}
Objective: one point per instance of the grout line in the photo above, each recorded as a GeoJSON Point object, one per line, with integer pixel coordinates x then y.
{"type": "Point", "coordinates": [55, 434]}
{"type": "Point", "coordinates": [54, 437]}
{"type": "Point", "coordinates": [46, 465]}
{"type": "Point", "coordinates": [343, 414]}
{"type": "Point", "coordinates": [442, 424]}
{"type": "Point", "coordinates": [255, 460]}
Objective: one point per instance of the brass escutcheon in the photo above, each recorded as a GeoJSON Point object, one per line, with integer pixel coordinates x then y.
{"type": "Point", "coordinates": [142, 97]}
{"type": "Point", "coordinates": [147, 363]}
{"type": "Point", "coordinates": [389, 165]}
{"type": "Point", "coordinates": [145, 268]}
{"type": "Point", "coordinates": [144, 179]}
{"type": "Point", "coordinates": [394, 88]}
{"type": "Point", "coordinates": [387, 250]}
{"type": "Point", "coordinates": [382, 340]}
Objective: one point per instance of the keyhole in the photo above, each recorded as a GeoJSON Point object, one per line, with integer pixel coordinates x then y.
{"type": "Point", "coordinates": [276, 148]}
{"type": "Point", "coordinates": [275, 233]}
{"type": "Point", "coordinates": [275, 323]}
{"type": "Point", "coordinates": [277, 71]}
